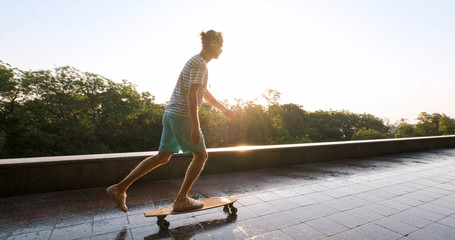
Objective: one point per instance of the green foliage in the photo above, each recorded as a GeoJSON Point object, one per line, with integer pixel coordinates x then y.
{"type": "Point", "coordinates": [405, 129]}
{"type": "Point", "coordinates": [364, 134]}
{"type": "Point", "coordinates": [434, 124]}
{"type": "Point", "coordinates": [428, 124]}
{"type": "Point", "coordinates": [65, 111]}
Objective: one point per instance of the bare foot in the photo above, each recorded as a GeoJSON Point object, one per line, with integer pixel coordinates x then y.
{"type": "Point", "coordinates": [118, 197]}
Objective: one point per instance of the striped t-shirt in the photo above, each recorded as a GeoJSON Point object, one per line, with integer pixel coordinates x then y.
{"type": "Point", "coordinates": [195, 71]}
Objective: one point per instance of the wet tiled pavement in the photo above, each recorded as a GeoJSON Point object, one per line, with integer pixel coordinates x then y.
{"type": "Point", "coordinates": [407, 196]}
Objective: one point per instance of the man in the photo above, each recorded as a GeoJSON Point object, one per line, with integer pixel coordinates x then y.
{"type": "Point", "coordinates": [181, 127]}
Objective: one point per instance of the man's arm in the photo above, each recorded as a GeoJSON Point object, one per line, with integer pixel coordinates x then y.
{"type": "Point", "coordinates": [194, 116]}
{"type": "Point", "coordinates": [215, 103]}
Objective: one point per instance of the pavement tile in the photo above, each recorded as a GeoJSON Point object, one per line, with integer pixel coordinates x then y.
{"type": "Point", "coordinates": [255, 226]}
{"type": "Point", "coordinates": [437, 191]}
{"type": "Point", "coordinates": [351, 190]}
{"type": "Point", "coordinates": [110, 213]}
{"type": "Point", "coordinates": [446, 186]}
{"type": "Point", "coordinates": [364, 213]}
{"type": "Point", "coordinates": [280, 220]}
{"type": "Point", "coordinates": [450, 198]}
{"type": "Point", "coordinates": [317, 187]}
{"type": "Point", "coordinates": [226, 231]}
{"type": "Point", "coordinates": [244, 213]}
{"type": "Point", "coordinates": [349, 235]}
{"type": "Point", "coordinates": [340, 204]}
{"type": "Point", "coordinates": [396, 226]}
{"type": "Point", "coordinates": [7, 228]}
{"type": "Point", "coordinates": [391, 203]}
{"type": "Point", "coordinates": [275, 235]}
{"type": "Point", "coordinates": [383, 193]}
{"type": "Point", "coordinates": [262, 209]}
{"type": "Point", "coordinates": [420, 212]}
{"type": "Point", "coordinates": [428, 193]}
{"type": "Point", "coordinates": [414, 185]}
{"type": "Point", "coordinates": [335, 183]}
{"type": "Point", "coordinates": [434, 231]}
{"type": "Point", "coordinates": [376, 232]}
{"type": "Point", "coordinates": [303, 200]}
{"type": "Point", "coordinates": [73, 219]}
{"type": "Point", "coordinates": [335, 193]}
{"type": "Point", "coordinates": [347, 220]}
{"type": "Point", "coordinates": [139, 220]}
{"type": "Point", "coordinates": [381, 209]}
{"type": "Point", "coordinates": [406, 189]}
{"type": "Point", "coordinates": [302, 214]}
{"type": "Point", "coordinates": [301, 190]}
{"type": "Point", "coordinates": [395, 190]}
{"type": "Point", "coordinates": [412, 219]}
{"type": "Point", "coordinates": [267, 196]}
{"type": "Point", "coordinates": [249, 200]}
{"type": "Point", "coordinates": [72, 232]}
{"type": "Point", "coordinates": [369, 196]}
{"type": "Point", "coordinates": [195, 231]}
{"type": "Point", "coordinates": [35, 225]}
{"type": "Point", "coordinates": [420, 197]}
{"type": "Point", "coordinates": [303, 231]}
{"type": "Point", "coordinates": [284, 204]}
{"type": "Point", "coordinates": [408, 201]}
{"type": "Point", "coordinates": [326, 226]}
{"type": "Point", "coordinates": [371, 185]}
{"type": "Point", "coordinates": [286, 193]}
{"type": "Point", "coordinates": [322, 209]}
{"type": "Point", "coordinates": [124, 234]}
{"type": "Point", "coordinates": [319, 197]}
{"type": "Point", "coordinates": [448, 221]}
{"type": "Point", "coordinates": [40, 235]}
{"type": "Point", "coordinates": [110, 225]}
{"type": "Point", "coordinates": [150, 232]}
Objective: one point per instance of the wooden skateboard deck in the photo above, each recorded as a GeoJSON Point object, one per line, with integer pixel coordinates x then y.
{"type": "Point", "coordinates": [209, 203]}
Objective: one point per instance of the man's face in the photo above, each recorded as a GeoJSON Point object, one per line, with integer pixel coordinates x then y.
{"type": "Point", "coordinates": [216, 48]}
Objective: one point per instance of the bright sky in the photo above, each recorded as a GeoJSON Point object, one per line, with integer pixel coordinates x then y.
{"type": "Point", "coordinates": [393, 59]}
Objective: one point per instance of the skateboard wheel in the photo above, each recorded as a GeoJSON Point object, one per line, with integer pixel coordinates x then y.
{"type": "Point", "coordinates": [163, 224]}
{"type": "Point", "coordinates": [233, 210]}
{"type": "Point", "coordinates": [226, 209]}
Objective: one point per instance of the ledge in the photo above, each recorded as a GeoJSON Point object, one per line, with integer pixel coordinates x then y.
{"type": "Point", "coordinates": [44, 174]}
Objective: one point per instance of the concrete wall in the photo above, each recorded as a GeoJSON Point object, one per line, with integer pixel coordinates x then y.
{"type": "Point", "coordinates": [44, 174]}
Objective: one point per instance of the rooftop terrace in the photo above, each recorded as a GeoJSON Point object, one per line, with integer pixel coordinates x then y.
{"type": "Point", "coordinates": [401, 196]}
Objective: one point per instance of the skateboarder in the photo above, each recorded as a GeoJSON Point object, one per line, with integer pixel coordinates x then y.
{"type": "Point", "coordinates": [181, 127]}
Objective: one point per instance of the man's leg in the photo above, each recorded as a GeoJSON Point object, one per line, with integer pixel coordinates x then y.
{"type": "Point", "coordinates": [143, 168]}
{"type": "Point", "coordinates": [117, 191]}
{"type": "Point", "coordinates": [192, 173]}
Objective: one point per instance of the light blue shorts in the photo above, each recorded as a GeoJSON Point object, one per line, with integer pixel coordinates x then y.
{"type": "Point", "coordinates": [176, 135]}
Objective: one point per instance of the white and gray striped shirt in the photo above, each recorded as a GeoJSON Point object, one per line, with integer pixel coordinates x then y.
{"type": "Point", "coordinates": [195, 71]}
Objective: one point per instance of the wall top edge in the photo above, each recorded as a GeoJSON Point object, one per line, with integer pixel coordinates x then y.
{"type": "Point", "coordinates": [91, 157]}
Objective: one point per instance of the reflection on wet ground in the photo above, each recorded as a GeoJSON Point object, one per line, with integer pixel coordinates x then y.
{"type": "Point", "coordinates": [406, 196]}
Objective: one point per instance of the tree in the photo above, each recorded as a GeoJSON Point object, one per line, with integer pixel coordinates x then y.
{"type": "Point", "coordinates": [364, 134]}
{"type": "Point", "coordinates": [428, 124]}
{"type": "Point", "coordinates": [272, 97]}
{"type": "Point", "coordinates": [65, 111]}
{"type": "Point", "coordinates": [446, 125]}
{"type": "Point", "coordinates": [405, 129]}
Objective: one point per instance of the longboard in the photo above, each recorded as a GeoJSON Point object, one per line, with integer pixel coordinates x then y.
{"type": "Point", "coordinates": [209, 203]}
